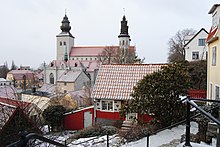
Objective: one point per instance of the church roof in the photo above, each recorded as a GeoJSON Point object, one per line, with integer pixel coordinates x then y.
{"type": "Point", "coordinates": [81, 51]}
{"type": "Point", "coordinates": [117, 81]}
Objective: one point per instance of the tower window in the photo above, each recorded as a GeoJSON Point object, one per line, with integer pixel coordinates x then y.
{"type": "Point", "coordinates": [86, 58]}
{"type": "Point", "coordinates": [81, 58]}
{"type": "Point", "coordinates": [64, 43]}
{"type": "Point", "coordinates": [60, 43]}
{"type": "Point", "coordinates": [72, 58]}
{"type": "Point", "coordinates": [123, 42]}
{"type": "Point", "coordinates": [90, 58]}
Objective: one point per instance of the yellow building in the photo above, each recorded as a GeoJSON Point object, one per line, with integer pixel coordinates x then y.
{"type": "Point", "coordinates": [213, 62]}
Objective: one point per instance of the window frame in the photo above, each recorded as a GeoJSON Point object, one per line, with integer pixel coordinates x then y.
{"type": "Point", "coordinates": [201, 42]}
{"type": "Point", "coordinates": [214, 54]}
{"type": "Point", "coordinates": [217, 92]}
{"type": "Point", "coordinates": [109, 105]}
{"type": "Point", "coordinates": [195, 54]}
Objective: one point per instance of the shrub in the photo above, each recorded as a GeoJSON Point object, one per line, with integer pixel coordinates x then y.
{"type": "Point", "coordinates": [97, 130]}
{"type": "Point", "coordinates": [135, 133]}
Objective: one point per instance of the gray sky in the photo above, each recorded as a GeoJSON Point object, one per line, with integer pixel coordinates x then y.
{"type": "Point", "coordinates": [28, 27]}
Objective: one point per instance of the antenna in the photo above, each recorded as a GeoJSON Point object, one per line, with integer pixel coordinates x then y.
{"type": "Point", "coordinates": [65, 11]}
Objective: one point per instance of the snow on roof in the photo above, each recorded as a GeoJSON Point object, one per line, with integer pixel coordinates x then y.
{"type": "Point", "coordinates": [117, 81]}
{"type": "Point", "coordinates": [69, 76]}
{"type": "Point", "coordinates": [8, 91]}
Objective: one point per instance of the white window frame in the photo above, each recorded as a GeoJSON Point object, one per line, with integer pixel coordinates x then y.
{"type": "Point", "coordinates": [214, 54]}
{"type": "Point", "coordinates": [194, 55]}
{"type": "Point", "coordinates": [201, 42]}
{"type": "Point", "coordinates": [108, 107]}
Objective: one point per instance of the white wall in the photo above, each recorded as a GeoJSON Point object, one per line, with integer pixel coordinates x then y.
{"type": "Point", "coordinates": [193, 46]}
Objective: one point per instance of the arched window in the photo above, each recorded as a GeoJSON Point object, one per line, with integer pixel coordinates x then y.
{"type": "Point", "coordinates": [64, 43]}
{"type": "Point", "coordinates": [60, 43]}
{"type": "Point", "coordinates": [123, 42]}
{"type": "Point", "coordinates": [51, 78]}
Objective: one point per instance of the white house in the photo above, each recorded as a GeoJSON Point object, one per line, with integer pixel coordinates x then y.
{"type": "Point", "coordinates": [195, 47]}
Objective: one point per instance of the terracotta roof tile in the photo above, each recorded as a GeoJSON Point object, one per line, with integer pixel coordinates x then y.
{"type": "Point", "coordinates": [117, 81]}
{"type": "Point", "coordinates": [91, 50]}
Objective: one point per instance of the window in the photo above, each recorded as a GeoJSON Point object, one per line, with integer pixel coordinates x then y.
{"type": "Point", "coordinates": [51, 78]}
{"type": "Point", "coordinates": [64, 43]}
{"type": "Point", "coordinates": [201, 42]}
{"type": "Point", "coordinates": [65, 83]}
{"type": "Point", "coordinates": [195, 55]}
{"type": "Point", "coordinates": [214, 56]}
{"type": "Point", "coordinates": [60, 43]}
{"type": "Point", "coordinates": [72, 58]}
{"type": "Point", "coordinates": [90, 58]}
{"type": "Point", "coordinates": [81, 58]}
{"type": "Point", "coordinates": [86, 58]}
{"type": "Point", "coordinates": [123, 42]}
{"type": "Point", "coordinates": [210, 91]}
{"type": "Point", "coordinates": [64, 91]}
{"type": "Point", "coordinates": [107, 105]}
{"type": "Point", "coordinates": [216, 92]}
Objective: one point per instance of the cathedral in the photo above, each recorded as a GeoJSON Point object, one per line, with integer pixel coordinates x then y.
{"type": "Point", "coordinates": [75, 65]}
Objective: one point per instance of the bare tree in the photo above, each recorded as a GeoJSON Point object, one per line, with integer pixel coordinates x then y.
{"type": "Point", "coordinates": [176, 45]}
{"type": "Point", "coordinates": [114, 54]}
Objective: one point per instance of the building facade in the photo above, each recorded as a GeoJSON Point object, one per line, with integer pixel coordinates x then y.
{"type": "Point", "coordinates": [195, 47]}
{"type": "Point", "coordinates": [213, 62]}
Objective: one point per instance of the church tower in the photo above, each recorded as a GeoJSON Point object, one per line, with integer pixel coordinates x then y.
{"type": "Point", "coordinates": [65, 40]}
{"type": "Point", "coordinates": [124, 38]}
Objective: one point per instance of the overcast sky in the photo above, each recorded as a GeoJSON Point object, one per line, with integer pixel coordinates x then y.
{"type": "Point", "coordinates": [28, 28]}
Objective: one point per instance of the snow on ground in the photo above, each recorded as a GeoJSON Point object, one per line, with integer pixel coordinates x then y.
{"type": "Point", "coordinates": [156, 140]}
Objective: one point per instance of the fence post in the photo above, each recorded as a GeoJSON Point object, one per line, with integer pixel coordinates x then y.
{"type": "Point", "coordinates": [148, 139]}
{"type": "Point", "coordinates": [107, 139]}
{"type": "Point", "coordinates": [187, 142]}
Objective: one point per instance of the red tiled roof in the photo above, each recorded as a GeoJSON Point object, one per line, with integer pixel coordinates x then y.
{"type": "Point", "coordinates": [211, 34]}
{"type": "Point", "coordinates": [18, 74]}
{"type": "Point", "coordinates": [91, 50]}
{"type": "Point", "coordinates": [117, 81]}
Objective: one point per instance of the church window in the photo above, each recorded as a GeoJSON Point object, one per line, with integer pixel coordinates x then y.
{"type": "Point", "coordinates": [95, 58]}
{"type": "Point", "coordinates": [77, 58]}
{"type": "Point", "coordinates": [51, 78]}
{"type": "Point", "coordinates": [64, 43]}
{"type": "Point", "coordinates": [72, 58]}
{"type": "Point", "coordinates": [90, 58]}
{"type": "Point", "coordinates": [123, 42]}
{"type": "Point", "coordinates": [86, 58]}
{"type": "Point", "coordinates": [60, 43]}
{"type": "Point", "coordinates": [81, 58]}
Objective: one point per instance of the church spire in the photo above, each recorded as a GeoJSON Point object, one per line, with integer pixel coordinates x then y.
{"type": "Point", "coordinates": [124, 28]}
{"type": "Point", "coordinates": [65, 27]}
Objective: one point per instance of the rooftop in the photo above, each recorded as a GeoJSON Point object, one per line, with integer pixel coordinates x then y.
{"type": "Point", "coordinates": [117, 81]}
